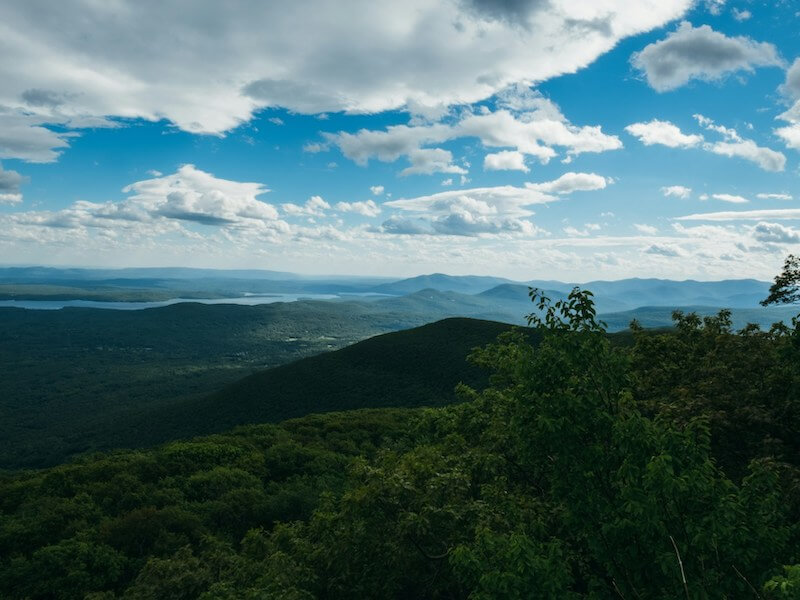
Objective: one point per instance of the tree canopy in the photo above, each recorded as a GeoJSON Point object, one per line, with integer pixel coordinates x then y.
{"type": "Point", "coordinates": [667, 468]}
{"type": "Point", "coordinates": [786, 289]}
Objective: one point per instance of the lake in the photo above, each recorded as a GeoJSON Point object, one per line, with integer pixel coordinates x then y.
{"type": "Point", "coordinates": [250, 300]}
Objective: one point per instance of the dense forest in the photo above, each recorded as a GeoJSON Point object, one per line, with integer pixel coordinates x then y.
{"type": "Point", "coordinates": [664, 468]}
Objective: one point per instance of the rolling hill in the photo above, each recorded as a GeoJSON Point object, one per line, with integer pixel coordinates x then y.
{"type": "Point", "coordinates": [416, 367]}
{"type": "Point", "coordinates": [83, 379]}
{"type": "Point", "coordinates": [465, 284]}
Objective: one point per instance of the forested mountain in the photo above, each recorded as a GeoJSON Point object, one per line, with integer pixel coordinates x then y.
{"type": "Point", "coordinates": [165, 283]}
{"type": "Point", "coordinates": [666, 466]}
{"type": "Point", "coordinates": [71, 373]}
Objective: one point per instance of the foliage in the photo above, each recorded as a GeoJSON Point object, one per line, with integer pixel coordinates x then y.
{"type": "Point", "coordinates": [585, 469]}
{"type": "Point", "coordinates": [786, 289]}
{"type": "Point", "coordinates": [79, 380]}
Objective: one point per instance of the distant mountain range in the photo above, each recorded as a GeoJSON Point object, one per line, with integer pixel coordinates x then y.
{"type": "Point", "coordinates": [611, 296]}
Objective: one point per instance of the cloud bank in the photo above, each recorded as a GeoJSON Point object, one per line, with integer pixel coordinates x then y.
{"type": "Point", "coordinates": [205, 68]}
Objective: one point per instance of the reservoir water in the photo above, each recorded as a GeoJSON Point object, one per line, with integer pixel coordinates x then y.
{"type": "Point", "coordinates": [250, 300]}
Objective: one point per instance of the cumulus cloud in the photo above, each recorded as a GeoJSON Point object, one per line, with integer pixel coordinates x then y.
{"type": "Point", "coordinates": [459, 223]}
{"type": "Point", "coordinates": [376, 190]}
{"type": "Point", "coordinates": [507, 199]}
{"type": "Point", "coordinates": [664, 133]}
{"type": "Point", "coordinates": [366, 209]}
{"type": "Point", "coordinates": [733, 145]}
{"type": "Point", "coordinates": [645, 229]}
{"type": "Point", "coordinates": [507, 160]}
{"type": "Point", "coordinates": [24, 136]}
{"type": "Point", "coordinates": [315, 206]}
{"type": "Point", "coordinates": [488, 210]}
{"type": "Point", "coordinates": [194, 195]}
{"type": "Point", "coordinates": [533, 127]}
{"type": "Point", "coordinates": [766, 158]}
{"type": "Point", "coordinates": [249, 56]}
{"type": "Point", "coordinates": [10, 182]}
{"type": "Point", "coordinates": [741, 15]}
{"type": "Point", "coordinates": [187, 209]}
{"type": "Point", "coordinates": [676, 191]}
{"type": "Point", "coordinates": [667, 250]}
{"type": "Point", "coordinates": [470, 212]}
{"type": "Point", "coordinates": [790, 134]}
{"type": "Point", "coordinates": [426, 161]}
{"type": "Point", "coordinates": [775, 233]}
{"type": "Point", "coordinates": [700, 53]}
{"type": "Point", "coordinates": [571, 182]}
{"type": "Point", "coordinates": [585, 232]}
{"type": "Point", "coordinates": [792, 85]}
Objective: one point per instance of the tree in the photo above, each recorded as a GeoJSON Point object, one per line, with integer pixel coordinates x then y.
{"type": "Point", "coordinates": [786, 289]}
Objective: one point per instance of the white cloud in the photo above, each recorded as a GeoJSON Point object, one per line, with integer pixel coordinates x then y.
{"type": "Point", "coordinates": [315, 206]}
{"type": "Point", "coordinates": [377, 190]}
{"type": "Point", "coordinates": [489, 210]}
{"type": "Point", "coordinates": [194, 195]}
{"type": "Point", "coordinates": [571, 182]}
{"type": "Point", "coordinates": [700, 53]}
{"type": "Point", "coordinates": [447, 182]}
{"type": "Point", "coordinates": [676, 191]}
{"type": "Point", "coordinates": [774, 196]}
{"type": "Point", "coordinates": [507, 160]}
{"type": "Point", "coordinates": [574, 232]}
{"type": "Point", "coordinates": [588, 228]}
{"type": "Point", "coordinates": [776, 233]}
{"type": "Point", "coordinates": [733, 145]}
{"type": "Point", "coordinates": [666, 250]}
{"type": "Point", "coordinates": [534, 132]}
{"type": "Point", "coordinates": [507, 200]}
{"type": "Point", "coordinates": [792, 85]}
{"type": "Point", "coordinates": [645, 229]}
{"type": "Point", "coordinates": [741, 15]}
{"type": "Point", "coordinates": [426, 161]}
{"type": "Point", "coordinates": [766, 158]}
{"type": "Point", "coordinates": [732, 198]}
{"type": "Point", "coordinates": [459, 223]}
{"type": "Point", "coordinates": [367, 209]}
{"type": "Point", "coordinates": [10, 182]}
{"type": "Point", "coordinates": [715, 6]}
{"type": "Point", "coordinates": [168, 208]}
{"type": "Point", "coordinates": [315, 147]}
{"type": "Point", "coordinates": [470, 212]}
{"type": "Point", "coordinates": [276, 120]}
{"type": "Point", "coordinates": [664, 133]}
{"type": "Point", "coordinates": [207, 70]}
{"type": "Point", "coordinates": [745, 215]}
{"type": "Point", "coordinates": [23, 136]}
{"type": "Point", "coordinates": [790, 134]}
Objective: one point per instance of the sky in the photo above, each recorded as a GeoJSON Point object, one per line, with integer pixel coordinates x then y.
{"type": "Point", "coordinates": [530, 139]}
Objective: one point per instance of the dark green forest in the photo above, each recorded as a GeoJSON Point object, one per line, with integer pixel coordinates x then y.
{"type": "Point", "coordinates": [74, 379]}
{"type": "Point", "coordinates": [659, 466]}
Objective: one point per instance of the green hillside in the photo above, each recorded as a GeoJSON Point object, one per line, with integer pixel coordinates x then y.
{"type": "Point", "coordinates": [68, 373]}
{"type": "Point", "coordinates": [661, 469]}
{"type": "Point", "coordinates": [417, 367]}
{"type": "Point", "coordinates": [83, 379]}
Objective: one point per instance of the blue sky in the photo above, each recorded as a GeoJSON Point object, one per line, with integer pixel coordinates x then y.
{"type": "Point", "coordinates": [523, 138]}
